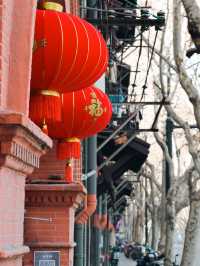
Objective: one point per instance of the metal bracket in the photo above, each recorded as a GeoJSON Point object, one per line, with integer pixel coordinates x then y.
{"type": "Point", "coordinates": [39, 219]}
{"type": "Point", "coordinates": [88, 175]}
{"type": "Point", "coordinates": [119, 128]}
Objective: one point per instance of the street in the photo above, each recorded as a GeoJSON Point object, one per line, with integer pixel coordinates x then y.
{"type": "Point", "coordinates": [126, 262]}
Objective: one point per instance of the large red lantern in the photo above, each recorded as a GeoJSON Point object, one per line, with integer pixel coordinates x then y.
{"type": "Point", "coordinates": [68, 54]}
{"type": "Point", "coordinates": [84, 113]}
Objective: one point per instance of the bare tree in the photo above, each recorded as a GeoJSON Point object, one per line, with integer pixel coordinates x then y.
{"type": "Point", "coordinates": [193, 14]}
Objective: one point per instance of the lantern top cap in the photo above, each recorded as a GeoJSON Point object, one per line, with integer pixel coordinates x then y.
{"type": "Point", "coordinates": [53, 6]}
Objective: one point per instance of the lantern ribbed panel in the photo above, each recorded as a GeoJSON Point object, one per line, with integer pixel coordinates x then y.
{"type": "Point", "coordinates": [84, 113]}
{"type": "Point", "coordinates": [45, 108]}
{"type": "Point", "coordinates": [68, 149]}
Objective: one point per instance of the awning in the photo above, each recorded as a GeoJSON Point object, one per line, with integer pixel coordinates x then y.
{"type": "Point", "coordinates": [132, 157]}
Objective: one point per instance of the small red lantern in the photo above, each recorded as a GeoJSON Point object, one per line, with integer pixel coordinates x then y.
{"type": "Point", "coordinates": [84, 113]}
{"type": "Point", "coordinates": [68, 54]}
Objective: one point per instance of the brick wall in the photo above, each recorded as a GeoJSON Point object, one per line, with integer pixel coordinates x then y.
{"type": "Point", "coordinates": [50, 165]}
{"type": "Point", "coordinates": [55, 229]}
{"type": "Point", "coordinates": [49, 219]}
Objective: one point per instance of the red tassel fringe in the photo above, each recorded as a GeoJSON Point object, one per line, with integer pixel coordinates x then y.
{"type": "Point", "coordinates": [45, 107]}
{"type": "Point", "coordinates": [66, 150]}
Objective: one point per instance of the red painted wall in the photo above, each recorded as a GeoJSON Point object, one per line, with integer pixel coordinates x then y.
{"type": "Point", "coordinates": [16, 51]}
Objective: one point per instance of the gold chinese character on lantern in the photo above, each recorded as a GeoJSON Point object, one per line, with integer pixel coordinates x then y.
{"type": "Point", "coordinates": [95, 109]}
{"type": "Point", "coordinates": [39, 44]}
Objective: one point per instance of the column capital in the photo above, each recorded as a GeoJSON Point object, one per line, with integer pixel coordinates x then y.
{"type": "Point", "coordinates": [21, 143]}
{"type": "Point", "coordinates": [54, 195]}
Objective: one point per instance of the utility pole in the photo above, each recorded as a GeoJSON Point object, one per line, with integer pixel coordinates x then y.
{"type": "Point", "coordinates": [78, 254]}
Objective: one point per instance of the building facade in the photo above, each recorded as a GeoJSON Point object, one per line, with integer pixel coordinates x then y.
{"type": "Point", "coordinates": [34, 216]}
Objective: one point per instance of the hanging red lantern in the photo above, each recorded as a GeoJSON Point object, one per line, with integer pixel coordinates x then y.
{"type": "Point", "coordinates": [84, 113]}
{"type": "Point", "coordinates": [68, 54]}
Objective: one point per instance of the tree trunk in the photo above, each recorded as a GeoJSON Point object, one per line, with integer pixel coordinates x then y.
{"type": "Point", "coordinates": [162, 214]}
{"type": "Point", "coordinates": [191, 249]}
{"type": "Point", "coordinates": [155, 230]}
{"type": "Point", "coordinates": [193, 13]}
{"type": "Point", "coordinates": [154, 218]}
{"type": "Point", "coordinates": [139, 219]}
{"type": "Point", "coordinates": [139, 226]}
{"type": "Point", "coordinates": [170, 230]}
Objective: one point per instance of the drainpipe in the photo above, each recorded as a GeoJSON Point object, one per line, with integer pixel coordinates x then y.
{"type": "Point", "coordinates": [103, 221]}
{"type": "Point", "coordinates": [91, 200]}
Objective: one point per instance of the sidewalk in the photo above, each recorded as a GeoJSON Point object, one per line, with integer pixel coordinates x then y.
{"type": "Point", "coordinates": [126, 262]}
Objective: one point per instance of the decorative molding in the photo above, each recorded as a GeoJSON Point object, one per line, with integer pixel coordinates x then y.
{"type": "Point", "coordinates": [21, 143]}
{"type": "Point", "coordinates": [16, 120]}
{"type": "Point", "coordinates": [21, 152]}
{"type": "Point", "coordinates": [54, 195]}
{"type": "Point", "coordinates": [24, 154]}
{"type": "Point", "coordinates": [42, 244]}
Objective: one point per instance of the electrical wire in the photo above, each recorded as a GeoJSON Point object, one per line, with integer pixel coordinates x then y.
{"type": "Point", "coordinates": [137, 65]}
{"type": "Point", "coordinates": [149, 66]}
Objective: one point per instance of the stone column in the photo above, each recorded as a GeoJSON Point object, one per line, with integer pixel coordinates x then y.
{"type": "Point", "coordinates": [21, 145]}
